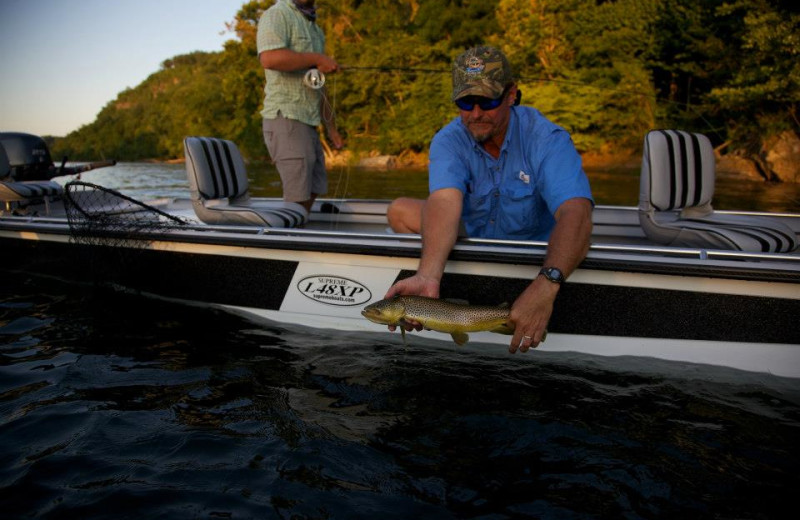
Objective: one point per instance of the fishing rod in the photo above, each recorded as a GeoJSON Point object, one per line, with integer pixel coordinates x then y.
{"type": "Point", "coordinates": [316, 79]}
{"type": "Point", "coordinates": [394, 69]}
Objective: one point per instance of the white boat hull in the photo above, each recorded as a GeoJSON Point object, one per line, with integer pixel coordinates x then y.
{"type": "Point", "coordinates": [626, 299]}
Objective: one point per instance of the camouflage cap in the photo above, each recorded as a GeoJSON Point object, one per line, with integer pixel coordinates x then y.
{"type": "Point", "coordinates": [481, 71]}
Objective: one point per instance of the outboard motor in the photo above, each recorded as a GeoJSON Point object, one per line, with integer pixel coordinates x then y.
{"type": "Point", "coordinates": [28, 157]}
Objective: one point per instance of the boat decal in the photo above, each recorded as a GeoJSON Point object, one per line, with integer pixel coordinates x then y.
{"type": "Point", "coordinates": [334, 290]}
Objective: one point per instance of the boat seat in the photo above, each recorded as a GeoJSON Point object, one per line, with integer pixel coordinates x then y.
{"type": "Point", "coordinates": [676, 189]}
{"type": "Point", "coordinates": [219, 188]}
{"type": "Point", "coordinates": [14, 193]}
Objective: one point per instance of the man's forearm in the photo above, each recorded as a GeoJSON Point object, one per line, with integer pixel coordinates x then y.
{"type": "Point", "coordinates": [569, 241]}
{"type": "Point", "coordinates": [287, 60]}
{"type": "Point", "coordinates": [440, 220]}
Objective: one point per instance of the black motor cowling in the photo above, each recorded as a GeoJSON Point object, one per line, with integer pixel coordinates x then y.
{"type": "Point", "coordinates": [28, 157]}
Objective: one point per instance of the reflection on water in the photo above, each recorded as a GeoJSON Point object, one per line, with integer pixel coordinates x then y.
{"type": "Point", "coordinates": [143, 181]}
{"type": "Point", "coordinates": [615, 187]}
{"type": "Point", "coordinates": [114, 405]}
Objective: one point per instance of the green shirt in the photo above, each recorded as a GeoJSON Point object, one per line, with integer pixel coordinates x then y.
{"type": "Point", "coordinates": [283, 26]}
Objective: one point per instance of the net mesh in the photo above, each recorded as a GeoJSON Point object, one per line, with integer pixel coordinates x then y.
{"type": "Point", "coordinates": [102, 216]}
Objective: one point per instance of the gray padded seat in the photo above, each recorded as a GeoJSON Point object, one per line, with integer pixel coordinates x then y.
{"type": "Point", "coordinates": [676, 188]}
{"type": "Point", "coordinates": [219, 188]}
{"type": "Point", "coordinates": [12, 193]}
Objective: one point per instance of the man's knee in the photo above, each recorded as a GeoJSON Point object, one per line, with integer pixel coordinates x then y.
{"type": "Point", "coordinates": [405, 215]}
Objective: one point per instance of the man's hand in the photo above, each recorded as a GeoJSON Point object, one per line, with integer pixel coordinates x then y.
{"type": "Point", "coordinates": [326, 64]}
{"type": "Point", "coordinates": [441, 215]}
{"type": "Point", "coordinates": [335, 137]}
{"type": "Point", "coordinates": [417, 285]}
{"type": "Point", "coordinates": [567, 247]}
{"type": "Point", "coordinates": [530, 314]}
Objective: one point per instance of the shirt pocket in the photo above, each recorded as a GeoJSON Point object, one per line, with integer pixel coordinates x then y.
{"type": "Point", "coordinates": [478, 204]}
{"type": "Point", "coordinates": [302, 43]}
{"type": "Point", "coordinates": [517, 218]}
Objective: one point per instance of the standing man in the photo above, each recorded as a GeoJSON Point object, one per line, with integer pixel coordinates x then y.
{"type": "Point", "coordinates": [500, 171]}
{"type": "Point", "coordinates": [289, 44]}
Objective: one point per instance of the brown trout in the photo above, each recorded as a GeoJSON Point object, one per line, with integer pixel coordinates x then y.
{"type": "Point", "coordinates": [439, 315]}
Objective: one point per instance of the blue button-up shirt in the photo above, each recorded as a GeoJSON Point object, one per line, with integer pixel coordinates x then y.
{"type": "Point", "coordinates": [516, 195]}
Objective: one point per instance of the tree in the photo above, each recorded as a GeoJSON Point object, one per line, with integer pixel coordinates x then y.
{"type": "Point", "coordinates": [606, 70]}
{"type": "Point", "coordinates": [761, 97]}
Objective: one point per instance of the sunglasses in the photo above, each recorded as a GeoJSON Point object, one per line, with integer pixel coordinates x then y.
{"type": "Point", "coordinates": [468, 103]}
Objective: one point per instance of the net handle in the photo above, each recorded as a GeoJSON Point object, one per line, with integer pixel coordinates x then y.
{"type": "Point", "coordinates": [115, 193]}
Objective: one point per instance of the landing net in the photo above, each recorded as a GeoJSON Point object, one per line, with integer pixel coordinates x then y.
{"type": "Point", "coordinates": [102, 216]}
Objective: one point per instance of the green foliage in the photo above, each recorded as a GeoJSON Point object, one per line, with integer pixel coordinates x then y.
{"type": "Point", "coordinates": [462, 23]}
{"type": "Point", "coordinates": [763, 94]}
{"type": "Point", "coordinates": [393, 91]}
{"type": "Point", "coordinates": [606, 70]}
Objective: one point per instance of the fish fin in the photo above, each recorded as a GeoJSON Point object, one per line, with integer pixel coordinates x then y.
{"type": "Point", "coordinates": [460, 337]}
{"type": "Point", "coordinates": [503, 305]}
{"type": "Point", "coordinates": [503, 329]}
{"type": "Point", "coordinates": [457, 301]}
{"type": "Point", "coordinates": [403, 333]}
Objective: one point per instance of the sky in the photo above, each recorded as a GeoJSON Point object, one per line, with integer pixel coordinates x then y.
{"type": "Point", "coordinates": [62, 61]}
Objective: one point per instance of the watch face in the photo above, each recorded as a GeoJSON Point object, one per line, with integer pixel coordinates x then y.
{"type": "Point", "coordinates": [553, 274]}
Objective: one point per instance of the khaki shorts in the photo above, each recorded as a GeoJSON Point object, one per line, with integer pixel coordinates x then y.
{"type": "Point", "coordinates": [296, 150]}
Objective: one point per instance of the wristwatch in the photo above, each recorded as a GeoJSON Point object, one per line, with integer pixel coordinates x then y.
{"type": "Point", "coordinates": [553, 274]}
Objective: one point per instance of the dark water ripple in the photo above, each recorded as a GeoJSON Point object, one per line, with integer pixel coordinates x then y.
{"type": "Point", "coordinates": [117, 406]}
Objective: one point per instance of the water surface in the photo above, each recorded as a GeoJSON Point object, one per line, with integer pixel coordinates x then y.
{"type": "Point", "coordinates": [113, 405]}
{"type": "Point", "coordinates": [118, 406]}
{"type": "Point", "coordinates": [616, 186]}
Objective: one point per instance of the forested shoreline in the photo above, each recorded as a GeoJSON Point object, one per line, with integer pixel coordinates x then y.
{"type": "Point", "coordinates": [608, 71]}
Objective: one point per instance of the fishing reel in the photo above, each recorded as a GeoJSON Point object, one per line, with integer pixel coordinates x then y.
{"type": "Point", "coordinates": [314, 79]}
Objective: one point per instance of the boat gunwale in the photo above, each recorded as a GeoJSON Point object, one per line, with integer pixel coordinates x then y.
{"type": "Point", "coordinates": [770, 267]}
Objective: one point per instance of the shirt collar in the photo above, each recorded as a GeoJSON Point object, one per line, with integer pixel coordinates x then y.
{"type": "Point", "coordinates": [309, 12]}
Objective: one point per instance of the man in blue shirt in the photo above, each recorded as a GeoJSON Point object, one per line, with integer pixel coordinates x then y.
{"type": "Point", "coordinates": [503, 171]}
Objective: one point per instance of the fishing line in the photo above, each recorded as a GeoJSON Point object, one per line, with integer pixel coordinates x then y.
{"type": "Point", "coordinates": [395, 69]}
{"type": "Point", "coordinates": [521, 79]}
{"type": "Point", "coordinates": [318, 78]}
{"type": "Point", "coordinates": [315, 79]}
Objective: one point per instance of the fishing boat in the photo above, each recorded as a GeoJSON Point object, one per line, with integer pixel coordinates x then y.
{"type": "Point", "coordinates": [670, 279]}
